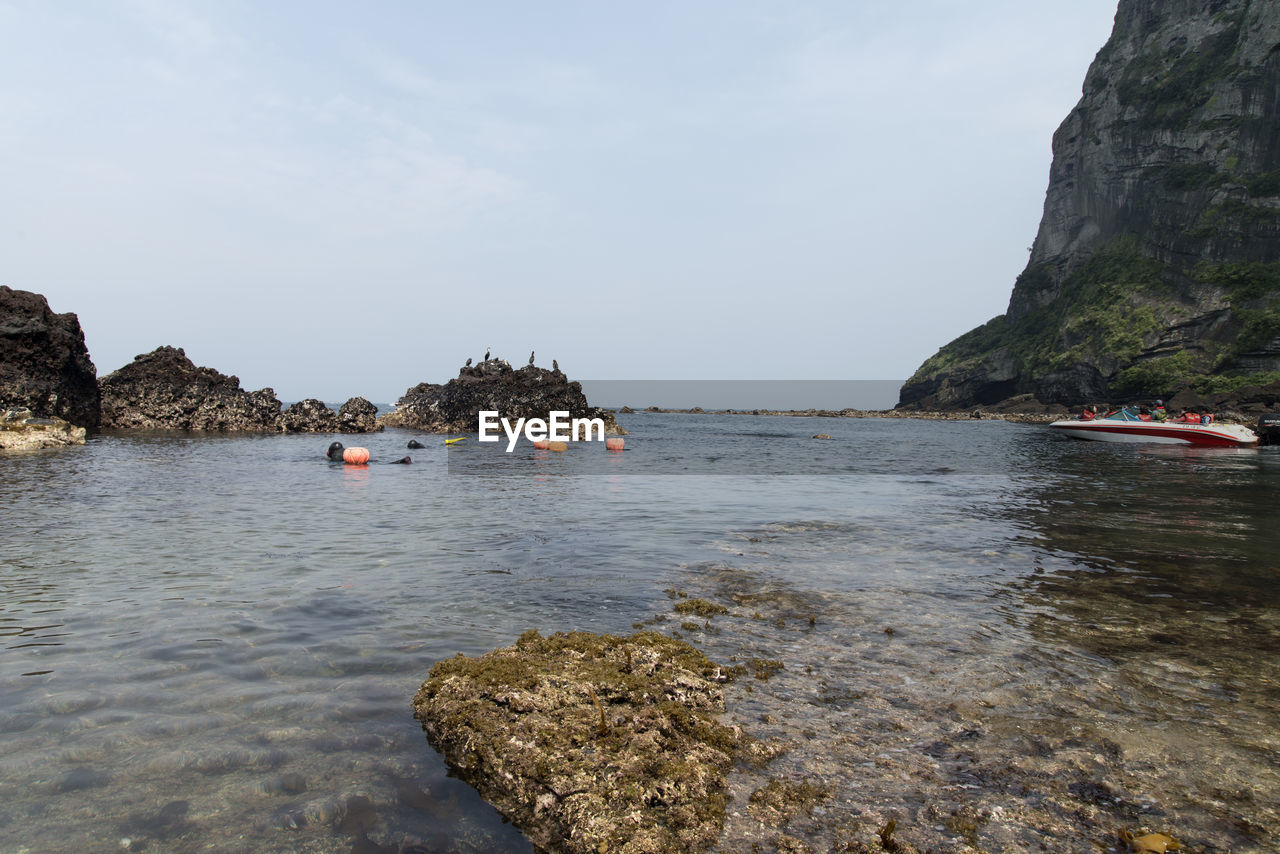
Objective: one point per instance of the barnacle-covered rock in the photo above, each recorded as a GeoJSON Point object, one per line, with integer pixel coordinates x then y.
{"type": "Point", "coordinates": [589, 742]}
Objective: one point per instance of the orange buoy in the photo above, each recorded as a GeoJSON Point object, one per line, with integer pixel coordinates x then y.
{"type": "Point", "coordinates": [541, 444]}
{"type": "Point", "coordinates": [355, 456]}
{"type": "Point", "coordinates": [557, 446]}
{"type": "Point", "coordinates": [614, 444]}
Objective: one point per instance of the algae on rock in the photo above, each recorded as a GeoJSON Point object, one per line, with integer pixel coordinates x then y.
{"type": "Point", "coordinates": [589, 743]}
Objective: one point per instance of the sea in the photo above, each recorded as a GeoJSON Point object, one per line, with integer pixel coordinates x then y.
{"type": "Point", "coordinates": [996, 637]}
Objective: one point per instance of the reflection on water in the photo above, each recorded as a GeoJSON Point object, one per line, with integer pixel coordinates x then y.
{"type": "Point", "coordinates": [211, 643]}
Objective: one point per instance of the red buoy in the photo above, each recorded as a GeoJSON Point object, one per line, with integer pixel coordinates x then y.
{"type": "Point", "coordinates": [614, 444]}
{"type": "Point", "coordinates": [355, 456]}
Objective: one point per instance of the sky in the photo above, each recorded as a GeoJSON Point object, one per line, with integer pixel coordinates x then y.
{"type": "Point", "coordinates": [337, 199]}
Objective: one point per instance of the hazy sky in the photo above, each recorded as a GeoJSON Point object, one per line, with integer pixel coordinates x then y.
{"type": "Point", "coordinates": [350, 198]}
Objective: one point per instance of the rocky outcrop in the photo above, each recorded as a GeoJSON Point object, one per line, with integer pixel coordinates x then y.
{"type": "Point", "coordinates": [164, 390]}
{"type": "Point", "coordinates": [308, 416]}
{"type": "Point", "coordinates": [23, 430]}
{"type": "Point", "coordinates": [530, 392]}
{"type": "Point", "coordinates": [44, 365]}
{"type": "Point", "coordinates": [589, 742]}
{"type": "Point", "coordinates": [357, 415]}
{"type": "Point", "coordinates": [1157, 262]}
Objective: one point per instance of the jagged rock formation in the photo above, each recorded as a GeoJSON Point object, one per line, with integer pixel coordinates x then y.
{"type": "Point", "coordinates": [23, 430]}
{"type": "Point", "coordinates": [530, 392]}
{"type": "Point", "coordinates": [164, 390]}
{"type": "Point", "coordinates": [44, 365]}
{"type": "Point", "coordinates": [1157, 261]}
{"type": "Point", "coordinates": [357, 415]}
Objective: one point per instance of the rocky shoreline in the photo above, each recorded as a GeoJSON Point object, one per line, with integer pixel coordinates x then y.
{"type": "Point", "coordinates": [551, 731]}
{"type": "Point", "coordinates": [1238, 414]}
{"type": "Point", "coordinates": [45, 370]}
{"type": "Point", "coordinates": [22, 430]}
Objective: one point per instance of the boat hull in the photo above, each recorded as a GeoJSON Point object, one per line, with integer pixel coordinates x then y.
{"type": "Point", "coordinates": [1165, 433]}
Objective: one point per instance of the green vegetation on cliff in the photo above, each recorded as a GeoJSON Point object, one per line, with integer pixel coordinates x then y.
{"type": "Point", "coordinates": [1108, 305]}
{"type": "Point", "coordinates": [1117, 303]}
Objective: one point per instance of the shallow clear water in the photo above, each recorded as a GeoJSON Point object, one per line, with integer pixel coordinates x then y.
{"type": "Point", "coordinates": [212, 643]}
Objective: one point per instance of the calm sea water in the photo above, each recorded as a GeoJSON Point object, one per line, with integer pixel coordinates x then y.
{"type": "Point", "coordinates": [211, 643]}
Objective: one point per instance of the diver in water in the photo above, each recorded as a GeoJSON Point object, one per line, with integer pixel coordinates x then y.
{"type": "Point", "coordinates": [335, 454]}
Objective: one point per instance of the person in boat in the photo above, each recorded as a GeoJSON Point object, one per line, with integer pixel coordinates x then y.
{"type": "Point", "coordinates": [1159, 413]}
{"type": "Point", "coordinates": [1144, 414]}
{"type": "Point", "coordinates": [1090, 412]}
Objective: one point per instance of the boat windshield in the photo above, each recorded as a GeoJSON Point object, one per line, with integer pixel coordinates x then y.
{"type": "Point", "coordinates": [1128, 413]}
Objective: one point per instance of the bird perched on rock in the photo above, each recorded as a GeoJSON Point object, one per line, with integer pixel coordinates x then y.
{"type": "Point", "coordinates": [555, 366]}
{"type": "Point", "coordinates": [531, 357]}
{"type": "Point", "coordinates": [468, 363]}
{"type": "Point", "coordinates": [486, 355]}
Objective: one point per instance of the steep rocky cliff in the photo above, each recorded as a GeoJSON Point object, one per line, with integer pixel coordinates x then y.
{"type": "Point", "coordinates": [44, 364]}
{"type": "Point", "coordinates": [1157, 262]}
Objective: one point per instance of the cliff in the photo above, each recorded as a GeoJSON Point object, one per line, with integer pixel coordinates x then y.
{"type": "Point", "coordinates": [1157, 262]}
{"type": "Point", "coordinates": [44, 364]}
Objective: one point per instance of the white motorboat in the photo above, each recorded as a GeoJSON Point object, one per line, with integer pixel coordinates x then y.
{"type": "Point", "coordinates": [1129, 425]}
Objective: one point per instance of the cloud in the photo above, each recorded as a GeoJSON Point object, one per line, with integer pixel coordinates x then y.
{"type": "Point", "coordinates": [178, 27]}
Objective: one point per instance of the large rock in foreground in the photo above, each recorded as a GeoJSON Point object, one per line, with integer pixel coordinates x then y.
{"type": "Point", "coordinates": [164, 390]}
{"type": "Point", "coordinates": [530, 392]}
{"type": "Point", "coordinates": [23, 430]}
{"type": "Point", "coordinates": [589, 742]}
{"type": "Point", "coordinates": [44, 364]}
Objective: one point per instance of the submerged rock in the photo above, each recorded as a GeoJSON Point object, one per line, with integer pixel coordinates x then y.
{"type": "Point", "coordinates": [530, 392]}
{"type": "Point", "coordinates": [589, 742]}
{"type": "Point", "coordinates": [44, 364]}
{"type": "Point", "coordinates": [22, 430]}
